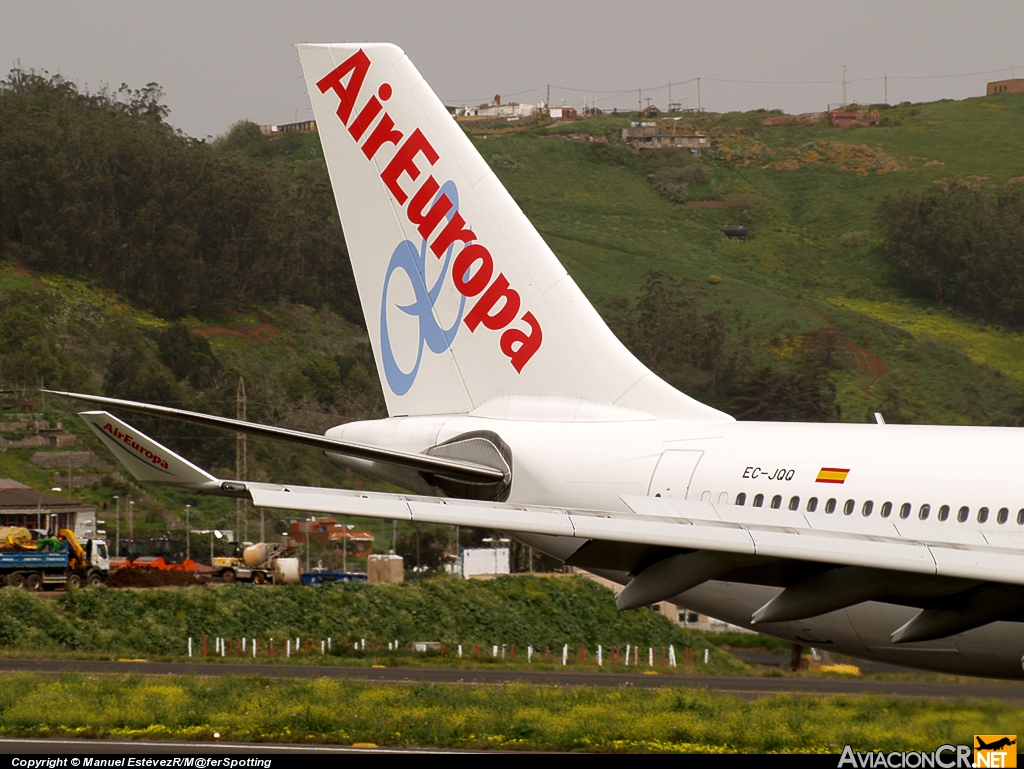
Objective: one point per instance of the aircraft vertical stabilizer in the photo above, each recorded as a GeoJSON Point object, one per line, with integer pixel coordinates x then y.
{"type": "Point", "coordinates": [466, 306]}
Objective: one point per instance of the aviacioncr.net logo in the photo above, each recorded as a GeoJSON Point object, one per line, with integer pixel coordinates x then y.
{"type": "Point", "coordinates": [412, 260]}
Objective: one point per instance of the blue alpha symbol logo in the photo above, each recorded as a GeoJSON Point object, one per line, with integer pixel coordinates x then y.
{"type": "Point", "coordinates": [412, 260]}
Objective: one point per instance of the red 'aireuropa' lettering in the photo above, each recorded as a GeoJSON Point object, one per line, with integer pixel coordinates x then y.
{"type": "Point", "coordinates": [129, 441]}
{"type": "Point", "coordinates": [498, 303]}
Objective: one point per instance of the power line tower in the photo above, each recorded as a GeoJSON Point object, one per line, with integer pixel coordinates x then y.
{"type": "Point", "coordinates": [241, 471]}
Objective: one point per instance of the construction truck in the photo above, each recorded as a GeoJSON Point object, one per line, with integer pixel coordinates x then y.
{"type": "Point", "coordinates": [33, 559]}
{"type": "Point", "coordinates": [260, 563]}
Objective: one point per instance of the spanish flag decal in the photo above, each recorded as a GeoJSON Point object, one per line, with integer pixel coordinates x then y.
{"type": "Point", "coordinates": [832, 475]}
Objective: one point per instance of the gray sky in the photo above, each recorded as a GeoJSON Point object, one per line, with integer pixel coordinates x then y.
{"type": "Point", "coordinates": [219, 62]}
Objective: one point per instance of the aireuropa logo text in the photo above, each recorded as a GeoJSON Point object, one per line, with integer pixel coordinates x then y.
{"type": "Point", "coordinates": [433, 213]}
{"type": "Point", "coordinates": [128, 440]}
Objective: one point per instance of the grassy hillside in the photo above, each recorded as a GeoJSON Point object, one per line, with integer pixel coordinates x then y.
{"type": "Point", "coordinates": [808, 193]}
{"type": "Point", "coordinates": [810, 197]}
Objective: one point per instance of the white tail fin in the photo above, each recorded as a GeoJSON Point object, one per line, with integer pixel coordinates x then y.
{"type": "Point", "coordinates": [467, 308]}
{"type": "Point", "coordinates": [146, 459]}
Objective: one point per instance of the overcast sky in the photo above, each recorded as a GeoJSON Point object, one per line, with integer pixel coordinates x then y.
{"type": "Point", "coordinates": [219, 62]}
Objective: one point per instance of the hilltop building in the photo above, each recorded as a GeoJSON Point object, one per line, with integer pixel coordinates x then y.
{"type": "Point", "coordinates": [510, 111]}
{"type": "Point", "coordinates": [1016, 85]}
{"type": "Point", "coordinates": [857, 118]}
{"type": "Point", "coordinates": [649, 135]}
{"type": "Point", "coordinates": [303, 126]}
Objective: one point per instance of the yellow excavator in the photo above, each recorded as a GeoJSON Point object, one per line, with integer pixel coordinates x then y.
{"type": "Point", "coordinates": [33, 562]}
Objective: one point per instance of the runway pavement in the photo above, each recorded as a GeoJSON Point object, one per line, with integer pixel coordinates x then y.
{"type": "Point", "coordinates": [747, 687]}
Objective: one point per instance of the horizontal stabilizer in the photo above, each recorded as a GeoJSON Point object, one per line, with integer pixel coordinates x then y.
{"type": "Point", "coordinates": [147, 460]}
{"type": "Point", "coordinates": [426, 464]}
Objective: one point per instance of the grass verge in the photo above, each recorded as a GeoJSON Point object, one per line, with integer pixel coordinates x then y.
{"type": "Point", "coordinates": [514, 716]}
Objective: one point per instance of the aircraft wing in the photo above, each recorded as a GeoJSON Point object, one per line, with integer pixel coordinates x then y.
{"type": "Point", "coordinates": [687, 525]}
{"type": "Point", "coordinates": [668, 546]}
{"type": "Point", "coordinates": [679, 544]}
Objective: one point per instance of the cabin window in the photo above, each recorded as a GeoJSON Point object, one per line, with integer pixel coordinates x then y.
{"type": "Point", "coordinates": [944, 512]}
{"type": "Point", "coordinates": [848, 506]}
{"type": "Point", "coordinates": [963, 514]}
{"type": "Point", "coordinates": [905, 510]}
{"type": "Point", "coordinates": [868, 507]}
{"type": "Point", "coordinates": [886, 510]}
{"type": "Point", "coordinates": [812, 504]}
{"type": "Point", "coordinates": [924, 512]}
{"type": "Point", "coordinates": [982, 514]}
{"type": "Point", "coordinates": [830, 506]}
{"type": "Point", "coordinates": [776, 502]}
{"type": "Point", "coordinates": [1020, 517]}
{"type": "Point", "coordinates": [794, 503]}
{"type": "Point", "coordinates": [759, 500]}
{"type": "Point", "coordinates": [741, 499]}
{"type": "Point", "coordinates": [723, 497]}
{"type": "Point", "coordinates": [1003, 515]}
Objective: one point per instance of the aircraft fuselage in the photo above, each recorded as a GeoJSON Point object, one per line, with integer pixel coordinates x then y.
{"type": "Point", "coordinates": [965, 479]}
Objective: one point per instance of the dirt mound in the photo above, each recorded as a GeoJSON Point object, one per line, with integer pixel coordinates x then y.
{"type": "Point", "coordinates": [743, 151]}
{"type": "Point", "coordinates": [153, 578]}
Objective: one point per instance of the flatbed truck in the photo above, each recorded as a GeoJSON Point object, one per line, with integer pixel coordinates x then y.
{"type": "Point", "coordinates": [75, 566]}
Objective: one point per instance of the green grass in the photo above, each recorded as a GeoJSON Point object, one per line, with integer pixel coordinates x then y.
{"type": "Point", "coordinates": [994, 348]}
{"type": "Point", "coordinates": [507, 717]}
{"type": "Point", "coordinates": [805, 187]}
